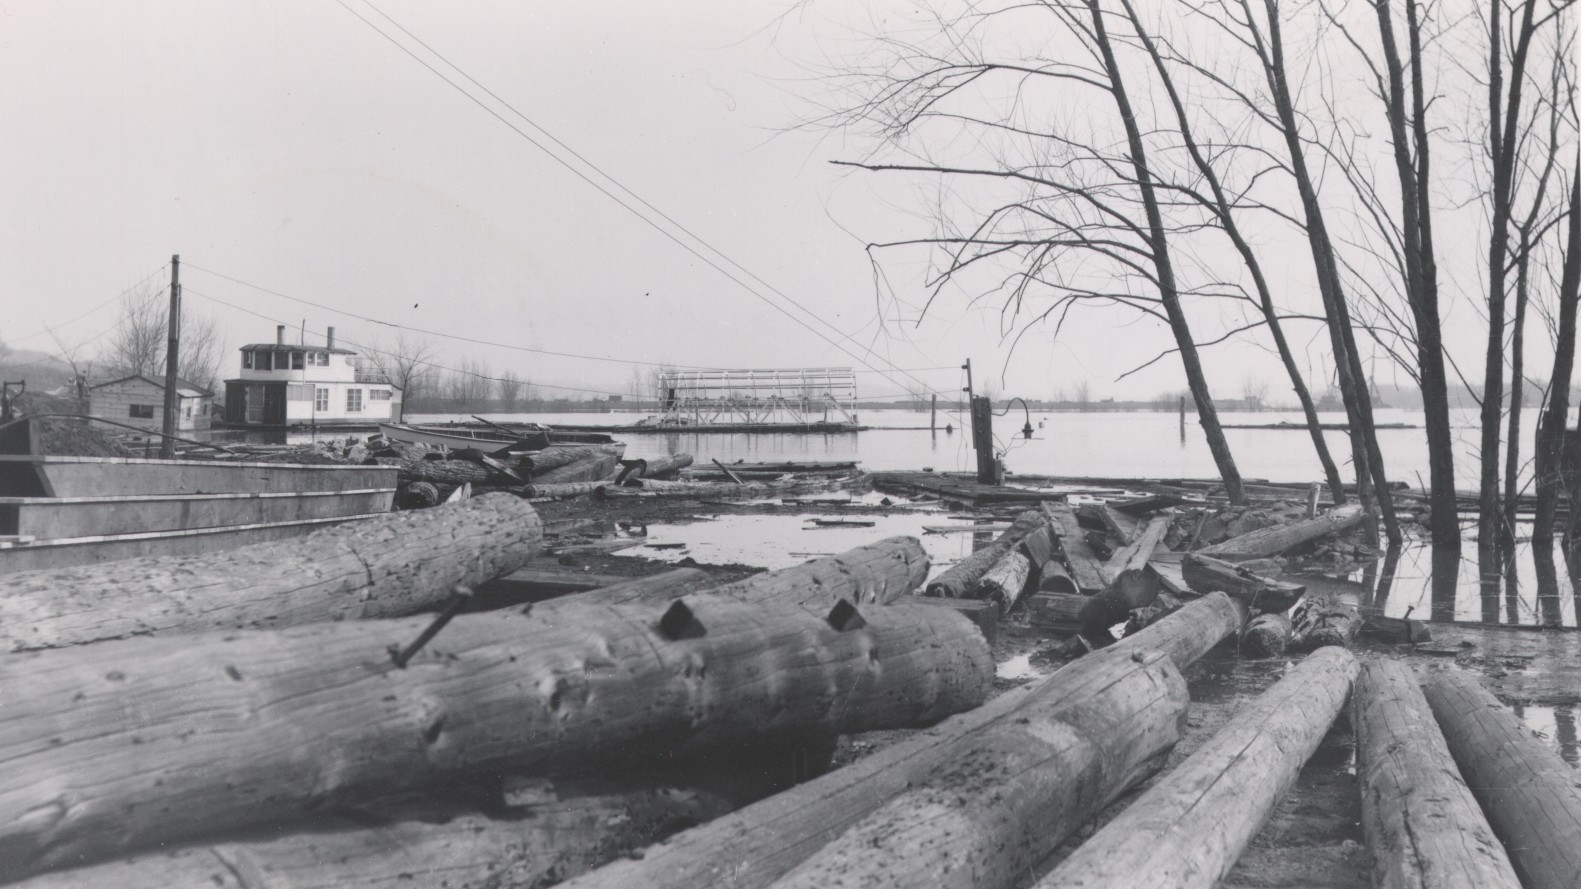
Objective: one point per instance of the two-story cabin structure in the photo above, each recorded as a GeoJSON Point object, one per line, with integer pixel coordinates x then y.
{"type": "Point", "coordinates": [282, 384]}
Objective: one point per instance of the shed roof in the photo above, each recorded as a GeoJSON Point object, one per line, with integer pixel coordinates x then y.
{"type": "Point", "coordinates": [288, 347]}
{"type": "Point", "coordinates": [183, 387]}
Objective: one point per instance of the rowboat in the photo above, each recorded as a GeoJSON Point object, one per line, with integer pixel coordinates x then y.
{"type": "Point", "coordinates": [468, 437]}
{"type": "Point", "coordinates": [57, 511]}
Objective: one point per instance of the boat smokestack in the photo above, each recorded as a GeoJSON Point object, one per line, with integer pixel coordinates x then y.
{"type": "Point", "coordinates": [279, 335]}
{"type": "Point", "coordinates": [330, 340]}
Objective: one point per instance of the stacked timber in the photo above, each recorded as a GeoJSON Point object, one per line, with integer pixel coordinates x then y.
{"type": "Point", "coordinates": [1532, 797]}
{"type": "Point", "coordinates": [1272, 541]}
{"type": "Point", "coordinates": [294, 720]}
{"type": "Point", "coordinates": [1128, 583]}
{"type": "Point", "coordinates": [595, 464]}
{"type": "Point", "coordinates": [1189, 829]}
{"type": "Point", "coordinates": [958, 581]}
{"type": "Point", "coordinates": [948, 805]}
{"type": "Point", "coordinates": [391, 565]}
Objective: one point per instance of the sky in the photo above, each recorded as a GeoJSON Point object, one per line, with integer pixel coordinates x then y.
{"type": "Point", "coordinates": [289, 150]}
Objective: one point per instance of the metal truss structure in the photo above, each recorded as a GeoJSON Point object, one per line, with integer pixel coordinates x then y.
{"type": "Point", "coordinates": [795, 396]}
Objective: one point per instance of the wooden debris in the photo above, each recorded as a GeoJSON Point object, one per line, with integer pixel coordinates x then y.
{"type": "Point", "coordinates": [654, 467]}
{"type": "Point", "coordinates": [1277, 539]}
{"type": "Point", "coordinates": [1205, 574]}
{"type": "Point", "coordinates": [1422, 824]}
{"type": "Point", "coordinates": [562, 490]}
{"type": "Point", "coordinates": [875, 574]}
{"type": "Point", "coordinates": [602, 465]}
{"type": "Point", "coordinates": [1188, 830]}
{"type": "Point", "coordinates": [1266, 635]}
{"type": "Point", "coordinates": [728, 474]}
{"type": "Point", "coordinates": [1085, 566]}
{"type": "Point", "coordinates": [1004, 583]}
{"type": "Point", "coordinates": [1120, 526]}
{"type": "Point", "coordinates": [1395, 630]}
{"type": "Point", "coordinates": [1059, 612]}
{"type": "Point", "coordinates": [1053, 578]}
{"type": "Point", "coordinates": [982, 612]}
{"type": "Point", "coordinates": [541, 581]}
{"type": "Point", "coordinates": [958, 579]}
{"type": "Point", "coordinates": [1318, 622]}
{"type": "Point", "coordinates": [754, 847]}
{"type": "Point", "coordinates": [229, 730]}
{"type": "Point", "coordinates": [1532, 797]}
{"type": "Point", "coordinates": [1126, 571]}
{"type": "Point", "coordinates": [381, 567]}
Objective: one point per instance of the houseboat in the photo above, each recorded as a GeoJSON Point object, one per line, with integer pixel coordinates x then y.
{"type": "Point", "coordinates": [292, 384]}
{"type": "Point", "coordinates": [60, 510]}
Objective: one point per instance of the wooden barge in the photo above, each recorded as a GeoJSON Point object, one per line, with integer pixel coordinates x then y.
{"type": "Point", "coordinates": [58, 511]}
{"type": "Point", "coordinates": [474, 437]}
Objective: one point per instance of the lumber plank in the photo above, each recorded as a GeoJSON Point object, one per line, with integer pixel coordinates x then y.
{"type": "Point", "coordinates": [752, 848]}
{"type": "Point", "coordinates": [1126, 571]}
{"type": "Point", "coordinates": [1189, 828]}
{"type": "Point", "coordinates": [386, 566]}
{"type": "Point", "coordinates": [1532, 797]}
{"type": "Point", "coordinates": [1085, 566]}
{"type": "Point", "coordinates": [221, 731]}
{"type": "Point", "coordinates": [1423, 826]}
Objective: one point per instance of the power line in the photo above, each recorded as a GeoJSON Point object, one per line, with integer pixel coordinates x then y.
{"type": "Point", "coordinates": [602, 190]}
{"type": "Point", "coordinates": [51, 329]}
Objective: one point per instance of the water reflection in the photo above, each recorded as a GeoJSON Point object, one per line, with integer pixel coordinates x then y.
{"type": "Point", "coordinates": [1556, 725]}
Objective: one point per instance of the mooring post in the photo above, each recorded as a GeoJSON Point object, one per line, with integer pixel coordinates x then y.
{"type": "Point", "coordinates": [983, 438]}
{"type": "Point", "coordinates": [1182, 418]}
{"type": "Point", "coordinates": [933, 413]}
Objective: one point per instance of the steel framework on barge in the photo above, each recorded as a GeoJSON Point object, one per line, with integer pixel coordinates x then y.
{"type": "Point", "coordinates": [795, 396]}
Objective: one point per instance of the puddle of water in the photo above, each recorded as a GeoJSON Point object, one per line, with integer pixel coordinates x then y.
{"type": "Point", "coordinates": [1555, 726]}
{"type": "Point", "coordinates": [1019, 667]}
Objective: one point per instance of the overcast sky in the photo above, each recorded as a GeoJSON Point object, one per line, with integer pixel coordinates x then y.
{"type": "Point", "coordinates": [290, 146]}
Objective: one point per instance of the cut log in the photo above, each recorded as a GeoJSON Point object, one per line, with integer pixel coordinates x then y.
{"type": "Point", "coordinates": [1422, 824]}
{"type": "Point", "coordinates": [1532, 797]}
{"type": "Point", "coordinates": [539, 582]}
{"type": "Point", "coordinates": [756, 846]}
{"type": "Point", "coordinates": [555, 457]}
{"type": "Point", "coordinates": [1059, 612]}
{"type": "Point", "coordinates": [390, 565]}
{"type": "Point", "coordinates": [957, 581]}
{"type": "Point", "coordinates": [562, 489]}
{"type": "Point", "coordinates": [1127, 570]}
{"type": "Point", "coordinates": [1206, 574]}
{"type": "Point", "coordinates": [1395, 630]}
{"type": "Point", "coordinates": [1279, 538]}
{"type": "Point", "coordinates": [442, 472]}
{"type": "Point", "coordinates": [1187, 831]}
{"type": "Point", "coordinates": [875, 574]}
{"type": "Point", "coordinates": [655, 467]}
{"type": "Point", "coordinates": [1053, 578]}
{"type": "Point", "coordinates": [1085, 566]}
{"type": "Point", "coordinates": [1004, 583]}
{"type": "Point", "coordinates": [983, 613]}
{"type": "Point", "coordinates": [1266, 635]}
{"type": "Point", "coordinates": [215, 732]}
{"type": "Point", "coordinates": [1318, 622]}
{"type": "Point", "coordinates": [560, 829]}
{"type": "Point", "coordinates": [987, 817]}
{"type": "Point", "coordinates": [602, 466]}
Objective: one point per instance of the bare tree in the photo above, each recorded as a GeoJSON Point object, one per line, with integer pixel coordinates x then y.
{"type": "Point", "coordinates": [408, 364]}
{"type": "Point", "coordinates": [1083, 394]}
{"type": "Point", "coordinates": [509, 386]}
{"type": "Point", "coordinates": [468, 385]}
{"type": "Point", "coordinates": [137, 344]}
{"type": "Point", "coordinates": [1254, 389]}
{"type": "Point", "coordinates": [1553, 463]}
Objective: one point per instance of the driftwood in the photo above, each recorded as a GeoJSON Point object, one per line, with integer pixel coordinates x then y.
{"type": "Point", "coordinates": [1395, 630]}
{"type": "Point", "coordinates": [1319, 622]}
{"type": "Point", "coordinates": [442, 472]}
{"type": "Point", "coordinates": [1060, 612]}
{"type": "Point", "coordinates": [554, 457]}
{"type": "Point", "coordinates": [1274, 540]}
{"type": "Point", "coordinates": [1188, 830]}
{"type": "Point", "coordinates": [1531, 796]}
{"type": "Point", "coordinates": [601, 466]}
{"type": "Point", "coordinates": [562, 489]}
{"type": "Point", "coordinates": [216, 732]}
{"type": "Point", "coordinates": [654, 467]}
{"type": "Point", "coordinates": [1004, 582]}
{"type": "Point", "coordinates": [1422, 824]}
{"type": "Point", "coordinates": [1205, 574]}
{"type": "Point", "coordinates": [1085, 566]}
{"type": "Point", "coordinates": [756, 846]}
{"type": "Point", "coordinates": [567, 828]}
{"type": "Point", "coordinates": [381, 567]}
{"type": "Point", "coordinates": [1266, 635]}
{"type": "Point", "coordinates": [957, 581]}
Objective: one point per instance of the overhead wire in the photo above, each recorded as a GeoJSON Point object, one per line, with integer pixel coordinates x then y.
{"type": "Point", "coordinates": [50, 329]}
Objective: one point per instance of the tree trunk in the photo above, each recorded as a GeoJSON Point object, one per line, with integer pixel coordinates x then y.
{"type": "Point", "coordinates": [1422, 824]}
{"type": "Point", "coordinates": [1188, 830]}
{"type": "Point", "coordinates": [537, 584]}
{"type": "Point", "coordinates": [599, 467]}
{"type": "Point", "coordinates": [1276, 539]}
{"type": "Point", "coordinates": [1530, 795]}
{"type": "Point", "coordinates": [1512, 463]}
{"type": "Point", "coordinates": [540, 462]}
{"type": "Point", "coordinates": [1004, 583]}
{"type": "Point", "coordinates": [983, 613]}
{"type": "Point", "coordinates": [875, 574]}
{"type": "Point", "coordinates": [221, 731]}
{"type": "Point", "coordinates": [443, 472]}
{"type": "Point", "coordinates": [1163, 263]}
{"type": "Point", "coordinates": [752, 848]}
{"type": "Point", "coordinates": [657, 467]}
{"type": "Point", "coordinates": [1085, 566]}
{"type": "Point", "coordinates": [958, 580]}
{"type": "Point", "coordinates": [1551, 428]}
{"type": "Point", "coordinates": [1266, 635]}
{"type": "Point", "coordinates": [1205, 574]}
{"type": "Point", "coordinates": [988, 816]}
{"type": "Point", "coordinates": [381, 567]}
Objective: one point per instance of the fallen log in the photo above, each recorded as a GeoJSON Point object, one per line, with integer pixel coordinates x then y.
{"type": "Point", "coordinates": [1085, 567]}
{"type": "Point", "coordinates": [1004, 582]}
{"type": "Point", "coordinates": [983, 613]}
{"type": "Point", "coordinates": [441, 472]}
{"type": "Point", "coordinates": [381, 567]}
{"type": "Point", "coordinates": [538, 583]}
{"type": "Point", "coordinates": [1205, 574]}
{"type": "Point", "coordinates": [569, 828]}
{"type": "Point", "coordinates": [655, 467]}
{"type": "Point", "coordinates": [1188, 830]}
{"type": "Point", "coordinates": [1395, 630]}
{"type": "Point", "coordinates": [1421, 822]}
{"type": "Point", "coordinates": [875, 574]}
{"type": "Point", "coordinates": [989, 815]}
{"type": "Point", "coordinates": [221, 731]}
{"type": "Point", "coordinates": [1319, 622]}
{"type": "Point", "coordinates": [1127, 570]}
{"type": "Point", "coordinates": [1277, 539]}
{"type": "Point", "coordinates": [754, 847]}
{"type": "Point", "coordinates": [562, 489]}
{"type": "Point", "coordinates": [539, 462]}
{"type": "Point", "coordinates": [1053, 578]}
{"type": "Point", "coordinates": [1266, 635]}
{"type": "Point", "coordinates": [957, 581]}
{"type": "Point", "coordinates": [601, 466]}
{"type": "Point", "coordinates": [1532, 797]}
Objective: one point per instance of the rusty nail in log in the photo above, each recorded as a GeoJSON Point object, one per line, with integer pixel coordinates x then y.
{"type": "Point", "coordinates": [458, 600]}
{"type": "Point", "coordinates": [844, 616]}
{"type": "Point", "coordinates": [679, 622]}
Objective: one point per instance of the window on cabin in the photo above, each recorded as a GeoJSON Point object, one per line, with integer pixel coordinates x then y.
{"type": "Point", "coordinates": [296, 361]}
{"type": "Point", "coordinates": [264, 361]}
{"type": "Point", "coordinates": [353, 401]}
{"type": "Point", "coordinates": [141, 412]}
{"type": "Point", "coordinates": [321, 399]}
{"type": "Point", "coordinates": [247, 359]}
{"type": "Point", "coordinates": [378, 395]}
{"type": "Point", "coordinates": [319, 359]}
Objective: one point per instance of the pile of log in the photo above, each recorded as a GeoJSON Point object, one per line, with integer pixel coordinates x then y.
{"type": "Point", "coordinates": [241, 701]}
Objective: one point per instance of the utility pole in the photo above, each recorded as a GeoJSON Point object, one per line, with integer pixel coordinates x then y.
{"type": "Point", "coordinates": [982, 413]}
{"type": "Point", "coordinates": [167, 446]}
{"type": "Point", "coordinates": [933, 412]}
